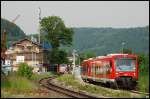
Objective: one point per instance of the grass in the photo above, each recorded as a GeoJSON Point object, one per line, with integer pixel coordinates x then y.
{"type": "Point", "coordinates": [70, 80]}
{"type": "Point", "coordinates": [14, 86]}
{"type": "Point", "coordinates": [143, 82]}
{"type": "Point", "coordinates": [39, 76]}
{"type": "Point", "coordinates": [16, 82]}
{"type": "Point", "coordinates": [15, 93]}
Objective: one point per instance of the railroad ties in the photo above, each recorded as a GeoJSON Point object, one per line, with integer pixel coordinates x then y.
{"type": "Point", "coordinates": [46, 82]}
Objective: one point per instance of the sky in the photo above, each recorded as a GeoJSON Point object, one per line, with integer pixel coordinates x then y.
{"type": "Point", "coordinates": [116, 14]}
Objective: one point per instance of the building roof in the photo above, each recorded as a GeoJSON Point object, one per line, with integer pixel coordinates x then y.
{"type": "Point", "coordinates": [45, 45]}
{"type": "Point", "coordinates": [36, 43]}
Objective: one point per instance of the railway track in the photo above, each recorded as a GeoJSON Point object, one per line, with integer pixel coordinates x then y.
{"type": "Point", "coordinates": [46, 82]}
{"type": "Point", "coordinates": [138, 92]}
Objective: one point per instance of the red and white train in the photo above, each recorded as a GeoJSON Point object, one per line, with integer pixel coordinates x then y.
{"type": "Point", "coordinates": [113, 69]}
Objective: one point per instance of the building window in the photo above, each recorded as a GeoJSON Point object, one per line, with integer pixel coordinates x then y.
{"type": "Point", "coordinates": [19, 59]}
{"type": "Point", "coordinates": [29, 48]}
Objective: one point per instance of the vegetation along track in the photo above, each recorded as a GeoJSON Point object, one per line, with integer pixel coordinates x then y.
{"type": "Point", "coordinates": [46, 82]}
{"type": "Point", "coordinates": [132, 91]}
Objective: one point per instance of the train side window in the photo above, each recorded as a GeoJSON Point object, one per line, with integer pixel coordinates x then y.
{"type": "Point", "coordinates": [109, 66]}
{"type": "Point", "coordinates": [97, 70]}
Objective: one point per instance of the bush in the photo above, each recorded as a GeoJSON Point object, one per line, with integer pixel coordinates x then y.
{"type": "Point", "coordinates": [143, 81]}
{"type": "Point", "coordinates": [143, 61]}
{"type": "Point", "coordinates": [25, 70]}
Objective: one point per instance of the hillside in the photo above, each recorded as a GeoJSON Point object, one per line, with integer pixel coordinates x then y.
{"type": "Point", "coordinates": [13, 31]}
{"type": "Point", "coordinates": [109, 40]}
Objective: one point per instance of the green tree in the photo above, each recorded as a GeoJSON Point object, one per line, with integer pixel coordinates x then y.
{"type": "Point", "coordinates": [56, 33]}
{"type": "Point", "coordinates": [85, 55]}
{"type": "Point", "coordinates": [143, 61]}
{"type": "Point", "coordinates": [58, 56]}
{"type": "Point", "coordinates": [25, 70]}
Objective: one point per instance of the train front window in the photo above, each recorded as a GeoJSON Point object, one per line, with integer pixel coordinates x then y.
{"type": "Point", "coordinates": [125, 64]}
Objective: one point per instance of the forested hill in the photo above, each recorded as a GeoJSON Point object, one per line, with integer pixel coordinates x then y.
{"type": "Point", "coordinates": [14, 32]}
{"type": "Point", "coordinates": [109, 40]}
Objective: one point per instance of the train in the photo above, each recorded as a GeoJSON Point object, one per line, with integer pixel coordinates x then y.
{"type": "Point", "coordinates": [114, 70]}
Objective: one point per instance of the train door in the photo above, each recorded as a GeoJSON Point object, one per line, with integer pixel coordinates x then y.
{"type": "Point", "coordinates": [93, 71]}
{"type": "Point", "coordinates": [103, 68]}
{"type": "Point", "coordinates": [86, 71]}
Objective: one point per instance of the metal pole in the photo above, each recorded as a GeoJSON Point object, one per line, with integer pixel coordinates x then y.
{"type": "Point", "coordinates": [35, 57]}
{"type": "Point", "coordinates": [73, 61]}
{"type": "Point", "coordinates": [32, 54]}
{"type": "Point", "coordinates": [79, 58]}
{"type": "Point", "coordinates": [39, 9]}
{"type": "Point", "coordinates": [123, 46]}
{"type": "Point", "coordinates": [79, 61]}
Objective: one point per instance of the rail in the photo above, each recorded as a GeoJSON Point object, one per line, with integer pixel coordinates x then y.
{"type": "Point", "coordinates": [46, 82]}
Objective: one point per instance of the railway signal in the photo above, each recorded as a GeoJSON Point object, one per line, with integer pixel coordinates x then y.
{"type": "Point", "coordinates": [4, 47]}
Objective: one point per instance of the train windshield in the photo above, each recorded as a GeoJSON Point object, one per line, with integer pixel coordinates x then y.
{"type": "Point", "coordinates": [125, 64]}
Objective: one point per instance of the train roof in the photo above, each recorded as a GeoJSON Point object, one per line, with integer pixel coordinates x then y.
{"type": "Point", "coordinates": [120, 54]}
{"type": "Point", "coordinates": [116, 54]}
{"type": "Point", "coordinates": [107, 56]}
{"type": "Point", "coordinates": [88, 59]}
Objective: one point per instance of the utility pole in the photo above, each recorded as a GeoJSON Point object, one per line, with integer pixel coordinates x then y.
{"type": "Point", "coordinates": [4, 43]}
{"type": "Point", "coordinates": [32, 54]}
{"type": "Point", "coordinates": [74, 61]}
{"type": "Point", "coordinates": [79, 60]}
{"type": "Point", "coordinates": [123, 43]}
{"type": "Point", "coordinates": [39, 10]}
{"type": "Point", "coordinates": [39, 15]}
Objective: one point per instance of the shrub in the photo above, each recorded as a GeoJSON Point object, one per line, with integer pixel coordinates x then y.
{"type": "Point", "coordinates": [143, 81]}
{"type": "Point", "coordinates": [25, 70]}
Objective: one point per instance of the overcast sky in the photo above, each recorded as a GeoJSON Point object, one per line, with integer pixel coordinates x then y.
{"type": "Point", "coordinates": [78, 13]}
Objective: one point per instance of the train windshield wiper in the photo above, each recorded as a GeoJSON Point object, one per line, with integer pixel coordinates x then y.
{"type": "Point", "coordinates": [119, 67]}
